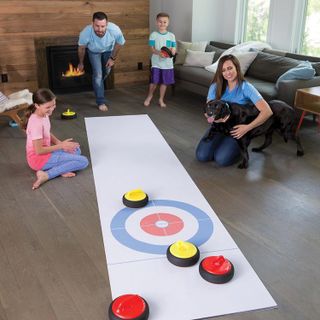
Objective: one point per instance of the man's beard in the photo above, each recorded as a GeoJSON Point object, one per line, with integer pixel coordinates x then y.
{"type": "Point", "coordinates": [100, 35]}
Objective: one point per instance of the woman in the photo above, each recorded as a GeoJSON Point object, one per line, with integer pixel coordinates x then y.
{"type": "Point", "coordinates": [229, 85]}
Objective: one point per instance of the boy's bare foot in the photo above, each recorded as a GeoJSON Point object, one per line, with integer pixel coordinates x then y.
{"type": "Point", "coordinates": [103, 107]}
{"type": "Point", "coordinates": [68, 174]}
{"type": "Point", "coordinates": [162, 104]}
{"type": "Point", "coordinates": [42, 177]}
{"type": "Point", "coordinates": [147, 101]}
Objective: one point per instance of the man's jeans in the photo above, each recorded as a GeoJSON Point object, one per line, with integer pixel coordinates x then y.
{"type": "Point", "coordinates": [99, 70]}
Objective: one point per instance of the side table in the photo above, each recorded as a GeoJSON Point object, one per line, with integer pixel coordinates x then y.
{"type": "Point", "coordinates": [308, 100]}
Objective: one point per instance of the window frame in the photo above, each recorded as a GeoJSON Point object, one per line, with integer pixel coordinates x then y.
{"type": "Point", "coordinates": [241, 20]}
{"type": "Point", "coordinates": [299, 24]}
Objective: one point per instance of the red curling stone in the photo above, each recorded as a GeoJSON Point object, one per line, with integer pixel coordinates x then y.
{"type": "Point", "coordinates": [166, 52]}
{"type": "Point", "coordinates": [129, 307]}
{"type": "Point", "coordinates": [216, 269]}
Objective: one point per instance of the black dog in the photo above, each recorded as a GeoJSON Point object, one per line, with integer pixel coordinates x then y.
{"type": "Point", "coordinates": [282, 120]}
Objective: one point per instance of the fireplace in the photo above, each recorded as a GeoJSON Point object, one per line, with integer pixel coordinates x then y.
{"type": "Point", "coordinates": [53, 55]}
{"type": "Point", "coordinates": [60, 59]}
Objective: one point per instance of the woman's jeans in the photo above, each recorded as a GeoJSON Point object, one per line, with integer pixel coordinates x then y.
{"type": "Point", "coordinates": [224, 150]}
{"type": "Point", "coordinates": [99, 72]}
{"type": "Point", "coordinates": [61, 162]}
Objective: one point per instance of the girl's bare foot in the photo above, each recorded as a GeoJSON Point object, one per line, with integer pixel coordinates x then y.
{"type": "Point", "coordinates": [42, 177]}
{"type": "Point", "coordinates": [68, 175]}
{"type": "Point", "coordinates": [147, 101]}
{"type": "Point", "coordinates": [162, 104]}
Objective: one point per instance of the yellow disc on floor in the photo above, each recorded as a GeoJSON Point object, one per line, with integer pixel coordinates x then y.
{"type": "Point", "coordinates": [68, 114]}
{"type": "Point", "coordinates": [135, 195]}
{"type": "Point", "coordinates": [135, 199]}
{"type": "Point", "coordinates": [183, 249]}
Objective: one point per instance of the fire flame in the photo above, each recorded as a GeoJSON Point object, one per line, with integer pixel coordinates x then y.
{"type": "Point", "coordinates": [73, 72]}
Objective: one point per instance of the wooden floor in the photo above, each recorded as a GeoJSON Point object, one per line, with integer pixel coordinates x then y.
{"type": "Point", "coordinates": [52, 261]}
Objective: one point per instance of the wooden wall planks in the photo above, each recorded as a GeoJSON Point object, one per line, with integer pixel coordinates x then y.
{"type": "Point", "coordinates": [23, 22]}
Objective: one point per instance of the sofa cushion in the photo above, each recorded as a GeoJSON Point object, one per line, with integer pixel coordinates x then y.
{"type": "Point", "coordinates": [221, 45]}
{"type": "Point", "coordinates": [218, 51]}
{"type": "Point", "coordinates": [302, 57]}
{"type": "Point", "coordinates": [245, 59]}
{"type": "Point", "coordinates": [182, 47]}
{"type": "Point", "coordinates": [269, 67]}
{"type": "Point", "coordinates": [267, 89]}
{"type": "Point", "coordinates": [303, 71]}
{"type": "Point", "coordinates": [194, 74]}
{"type": "Point", "coordinates": [316, 66]}
{"type": "Point", "coordinates": [280, 53]}
{"type": "Point", "coordinates": [198, 58]}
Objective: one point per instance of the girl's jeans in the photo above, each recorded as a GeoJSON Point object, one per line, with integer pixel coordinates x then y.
{"type": "Point", "coordinates": [61, 162]}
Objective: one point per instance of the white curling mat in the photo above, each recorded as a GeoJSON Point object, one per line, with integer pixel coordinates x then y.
{"type": "Point", "coordinates": [128, 152]}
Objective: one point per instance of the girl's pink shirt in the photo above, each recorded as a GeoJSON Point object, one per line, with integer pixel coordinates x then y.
{"type": "Point", "coordinates": [38, 128]}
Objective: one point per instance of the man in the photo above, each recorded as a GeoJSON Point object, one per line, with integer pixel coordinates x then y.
{"type": "Point", "coordinates": [103, 40]}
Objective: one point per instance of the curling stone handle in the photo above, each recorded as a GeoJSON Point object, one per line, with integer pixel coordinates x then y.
{"type": "Point", "coordinates": [124, 304]}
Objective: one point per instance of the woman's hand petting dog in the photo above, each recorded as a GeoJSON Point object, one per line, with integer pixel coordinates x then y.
{"type": "Point", "coordinates": [240, 130]}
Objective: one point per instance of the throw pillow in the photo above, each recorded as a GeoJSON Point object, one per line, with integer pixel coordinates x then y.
{"type": "Point", "coordinates": [302, 71]}
{"type": "Point", "coordinates": [316, 66]}
{"type": "Point", "coordinates": [248, 46]}
{"type": "Point", "coordinates": [182, 47]}
{"type": "Point", "coordinates": [14, 99]}
{"type": "Point", "coordinates": [245, 59]}
{"type": "Point", "coordinates": [198, 58]}
{"type": "Point", "coordinates": [3, 98]}
{"type": "Point", "coordinates": [218, 51]}
{"type": "Point", "coordinates": [269, 67]}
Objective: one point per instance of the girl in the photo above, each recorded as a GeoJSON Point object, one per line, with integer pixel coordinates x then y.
{"type": "Point", "coordinates": [229, 85]}
{"type": "Point", "coordinates": [46, 154]}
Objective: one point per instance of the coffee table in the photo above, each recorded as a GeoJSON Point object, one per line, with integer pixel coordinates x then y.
{"type": "Point", "coordinates": [308, 100]}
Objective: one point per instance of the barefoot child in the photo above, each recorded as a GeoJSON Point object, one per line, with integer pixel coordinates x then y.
{"type": "Point", "coordinates": [161, 66]}
{"type": "Point", "coordinates": [46, 154]}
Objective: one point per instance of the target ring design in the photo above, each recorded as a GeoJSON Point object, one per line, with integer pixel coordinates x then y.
{"type": "Point", "coordinates": [161, 224]}
{"type": "Point", "coordinates": [119, 231]}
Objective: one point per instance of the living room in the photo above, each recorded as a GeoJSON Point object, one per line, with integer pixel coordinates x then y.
{"type": "Point", "coordinates": [54, 262]}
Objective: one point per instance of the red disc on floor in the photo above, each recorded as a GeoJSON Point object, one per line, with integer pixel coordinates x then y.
{"type": "Point", "coordinates": [216, 265]}
{"type": "Point", "coordinates": [129, 307]}
{"type": "Point", "coordinates": [216, 269]}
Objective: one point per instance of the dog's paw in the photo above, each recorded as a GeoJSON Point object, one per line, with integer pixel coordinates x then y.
{"type": "Point", "coordinates": [300, 153]}
{"type": "Point", "coordinates": [256, 150]}
{"type": "Point", "coordinates": [243, 165]}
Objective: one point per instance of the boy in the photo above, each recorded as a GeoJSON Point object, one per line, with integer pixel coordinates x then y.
{"type": "Point", "coordinates": [161, 66]}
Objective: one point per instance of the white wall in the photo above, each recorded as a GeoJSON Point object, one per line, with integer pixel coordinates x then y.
{"type": "Point", "coordinates": [180, 12]}
{"type": "Point", "coordinates": [193, 20]}
{"type": "Point", "coordinates": [205, 25]}
{"type": "Point", "coordinates": [155, 8]}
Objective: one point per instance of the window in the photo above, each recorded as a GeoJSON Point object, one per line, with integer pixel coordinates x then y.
{"type": "Point", "coordinates": [256, 21]}
{"type": "Point", "coordinates": [311, 35]}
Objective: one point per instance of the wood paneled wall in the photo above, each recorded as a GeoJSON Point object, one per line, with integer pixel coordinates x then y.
{"type": "Point", "coordinates": [23, 22]}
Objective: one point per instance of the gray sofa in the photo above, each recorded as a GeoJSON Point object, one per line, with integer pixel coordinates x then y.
{"type": "Point", "coordinates": [263, 73]}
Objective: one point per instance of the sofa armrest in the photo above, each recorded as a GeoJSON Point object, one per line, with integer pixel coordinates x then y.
{"type": "Point", "coordinates": [287, 88]}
